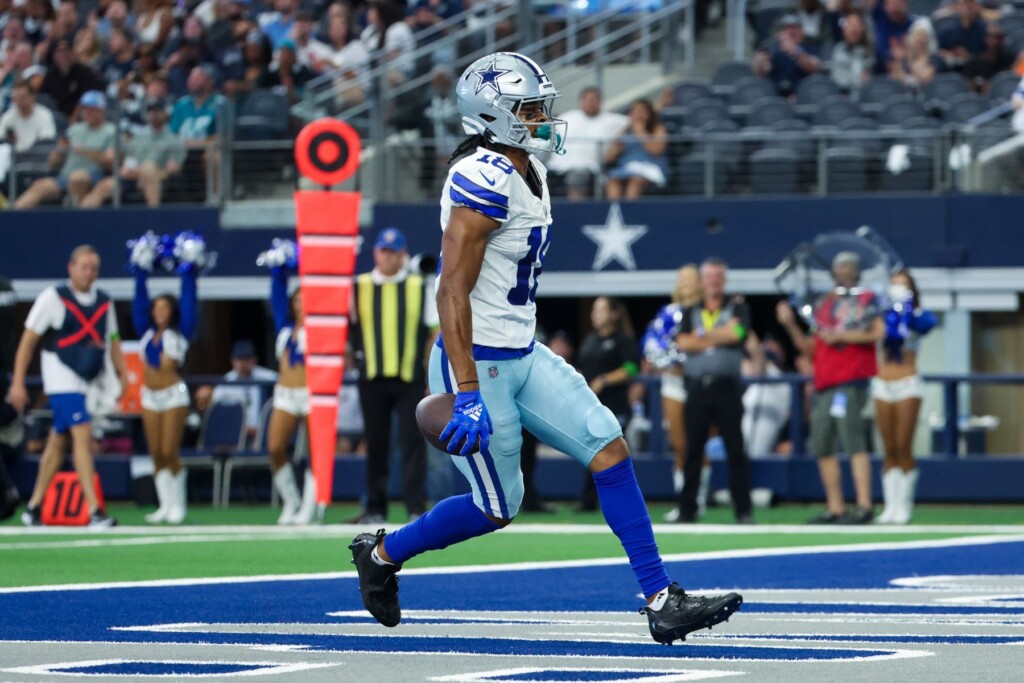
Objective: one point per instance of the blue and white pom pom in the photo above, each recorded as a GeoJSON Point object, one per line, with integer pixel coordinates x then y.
{"type": "Point", "coordinates": [282, 254]}
{"type": "Point", "coordinates": [191, 254]}
{"type": "Point", "coordinates": [142, 253]}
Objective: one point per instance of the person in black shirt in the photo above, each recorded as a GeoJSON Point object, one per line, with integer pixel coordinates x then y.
{"type": "Point", "coordinates": [608, 359]}
{"type": "Point", "coordinates": [712, 334]}
{"type": "Point", "coordinates": [67, 79]}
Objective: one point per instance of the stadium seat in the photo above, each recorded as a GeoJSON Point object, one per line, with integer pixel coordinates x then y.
{"type": "Point", "coordinates": [834, 111]}
{"type": "Point", "coordinates": [728, 151]}
{"type": "Point", "coordinates": [258, 458]}
{"type": "Point", "coordinates": [764, 19]}
{"type": "Point", "coordinates": [900, 108]}
{"type": "Point", "coordinates": [690, 91]}
{"type": "Point", "coordinates": [846, 170]}
{"type": "Point", "coordinates": [705, 111]}
{"type": "Point", "coordinates": [32, 164]}
{"type": "Point", "coordinates": [774, 170]}
{"type": "Point", "coordinates": [814, 89]}
{"type": "Point", "coordinates": [692, 174]}
{"type": "Point", "coordinates": [869, 140]}
{"type": "Point", "coordinates": [800, 141]}
{"type": "Point", "coordinates": [221, 434]}
{"type": "Point", "coordinates": [917, 178]}
{"type": "Point", "coordinates": [726, 76]}
{"type": "Point", "coordinates": [1012, 23]}
{"type": "Point", "coordinates": [264, 116]}
{"type": "Point", "coordinates": [768, 110]}
{"type": "Point", "coordinates": [875, 92]}
{"type": "Point", "coordinates": [943, 88]}
{"type": "Point", "coordinates": [1002, 86]}
{"type": "Point", "coordinates": [962, 108]}
{"type": "Point", "coordinates": [749, 90]}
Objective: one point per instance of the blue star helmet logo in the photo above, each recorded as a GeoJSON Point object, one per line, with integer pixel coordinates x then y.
{"type": "Point", "coordinates": [489, 76]}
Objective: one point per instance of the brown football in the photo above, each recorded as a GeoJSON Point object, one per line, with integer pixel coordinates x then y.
{"type": "Point", "coordinates": [433, 414]}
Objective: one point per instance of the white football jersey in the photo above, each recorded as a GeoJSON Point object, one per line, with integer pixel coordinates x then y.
{"type": "Point", "coordinates": [504, 312]}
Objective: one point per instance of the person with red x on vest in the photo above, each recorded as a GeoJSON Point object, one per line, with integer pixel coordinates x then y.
{"type": "Point", "coordinates": [74, 322]}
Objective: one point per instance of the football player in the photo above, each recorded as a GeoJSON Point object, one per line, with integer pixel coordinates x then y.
{"type": "Point", "coordinates": [496, 218]}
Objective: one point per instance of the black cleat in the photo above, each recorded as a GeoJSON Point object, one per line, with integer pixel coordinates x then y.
{"type": "Point", "coordinates": [378, 584]}
{"type": "Point", "coordinates": [682, 614]}
{"type": "Point", "coordinates": [32, 516]}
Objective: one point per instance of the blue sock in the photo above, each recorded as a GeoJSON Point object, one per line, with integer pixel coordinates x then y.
{"type": "Point", "coordinates": [626, 513]}
{"type": "Point", "coordinates": [453, 520]}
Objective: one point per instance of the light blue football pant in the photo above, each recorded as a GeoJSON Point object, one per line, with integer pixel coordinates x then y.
{"type": "Point", "coordinates": [540, 392]}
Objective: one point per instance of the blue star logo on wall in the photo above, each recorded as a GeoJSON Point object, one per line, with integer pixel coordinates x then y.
{"type": "Point", "coordinates": [614, 240]}
{"type": "Point", "coordinates": [489, 76]}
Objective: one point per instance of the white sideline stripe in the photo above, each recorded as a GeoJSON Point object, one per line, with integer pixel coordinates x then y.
{"type": "Point", "coordinates": [527, 566]}
{"type": "Point", "coordinates": [555, 529]}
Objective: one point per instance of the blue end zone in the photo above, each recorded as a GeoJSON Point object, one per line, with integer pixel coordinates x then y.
{"type": "Point", "coordinates": [98, 614]}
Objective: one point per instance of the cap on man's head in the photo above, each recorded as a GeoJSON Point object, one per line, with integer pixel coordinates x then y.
{"type": "Point", "coordinates": [846, 257]}
{"type": "Point", "coordinates": [93, 99]}
{"type": "Point", "coordinates": [243, 350]}
{"type": "Point", "coordinates": [789, 20]}
{"type": "Point", "coordinates": [390, 238]}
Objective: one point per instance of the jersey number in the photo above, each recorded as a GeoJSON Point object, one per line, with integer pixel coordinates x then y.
{"type": "Point", "coordinates": [497, 162]}
{"type": "Point", "coordinates": [529, 269]}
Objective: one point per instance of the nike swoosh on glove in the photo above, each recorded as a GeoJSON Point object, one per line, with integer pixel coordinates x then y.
{"type": "Point", "coordinates": [470, 422]}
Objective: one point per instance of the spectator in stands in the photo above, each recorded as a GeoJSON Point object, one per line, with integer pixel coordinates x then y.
{"type": "Point", "coordinates": [121, 62]}
{"type": "Point", "coordinates": [243, 367]}
{"type": "Point", "coordinates": [12, 34]}
{"type": "Point", "coordinates": [14, 70]}
{"type": "Point", "coordinates": [184, 52]}
{"type": "Point", "coordinates": [996, 57]}
{"type": "Point", "coordinates": [892, 20]}
{"type": "Point", "coordinates": [67, 80]}
{"type": "Point", "coordinates": [789, 58]}
{"type": "Point", "coordinates": [386, 30]}
{"type": "Point", "coordinates": [1017, 102]}
{"type": "Point", "coordinates": [194, 118]}
{"type": "Point", "coordinates": [277, 26]}
{"type": "Point", "coordinates": [638, 156]}
{"type": "Point", "coordinates": [853, 58]}
{"type": "Point", "coordinates": [87, 48]}
{"type": "Point", "coordinates": [575, 173]}
{"type": "Point", "coordinates": [285, 75]}
{"type": "Point", "coordinates": [814, 21]}
{"type": "Point", "coordinates": [302, 37]}
{"type": "Point", "coordinates": [441, 126]}
{"type": "Point", "coordinates": [153, 23]}
{"type": "Point", "coordinates": [63, 27]}
{"type": "Point", "coordinates": [257, 55]}
{"type": "Point", "coordinates": [89, 149]}
{"type": "Point", "coordinates": [153, 155]}
{"type": "Point", "coordinates": [913, 61]}
{"type": "Point", "coordinates": [230, 22]}
{"type": "Point", "coordinates": [349, 59]}
{"type": "Point", "coordinates": [38, 15]}
{"type": "Point", "coordinates": [27, 122]}
{"type": "Point", "coordinates": [608, 359]}
{"type": "Point", "coordinates": [115, 17]}
{"type": "Point", "coordinates": [847, 327]}
{"type": "Point", "coordinates": [960, 40]}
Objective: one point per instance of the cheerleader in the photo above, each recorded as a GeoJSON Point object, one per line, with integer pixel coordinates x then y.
{"type": "Point", "coordinates": [898, 390]}
{"type": "Point", "coordinates": [291, 396]}
{"type": "Point", "coordinates": [165, 326]}
{"type": "Point", "coordinates": [659, 348]}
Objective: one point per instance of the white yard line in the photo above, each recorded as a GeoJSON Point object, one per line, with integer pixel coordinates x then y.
{"type": "Point", "coordinates": [526, 566]}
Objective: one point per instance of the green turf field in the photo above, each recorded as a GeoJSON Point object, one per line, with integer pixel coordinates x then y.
{"type": "Point", "coordinates": [237, 542]}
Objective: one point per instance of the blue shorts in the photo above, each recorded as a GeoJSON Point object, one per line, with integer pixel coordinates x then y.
{"type": "Point", "coordinates": [95, 176]}
{"type": "Point", "coordinates": [68, 411]}
{"type": "Point", "coordinates": [540, 392]}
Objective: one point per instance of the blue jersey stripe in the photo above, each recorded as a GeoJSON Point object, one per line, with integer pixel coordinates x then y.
{"type": "Point", "coordinates": [479, 191]}
{"type": "Point", "coordinates": [444, 372]}
{"type": "Point", "coordinates": [493, 471]}
{"type": "Point", "coordinates": [485, 209]}
{"type": "Point", "coordinates": [485, 496]}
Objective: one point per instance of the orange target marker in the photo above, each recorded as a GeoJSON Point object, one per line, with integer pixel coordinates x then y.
{"type": "Point", "coordinates": [327, 226]}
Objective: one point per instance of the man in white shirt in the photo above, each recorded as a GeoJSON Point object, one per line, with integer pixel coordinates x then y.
{"type": "Point", "coordinates": [76, 323]}
{"type": "Point", "coordinates": [252, 396]}
{"type": "Point", "coordinates": [591, 130]}
{"type": "Point", "coordinates": [26, 122]}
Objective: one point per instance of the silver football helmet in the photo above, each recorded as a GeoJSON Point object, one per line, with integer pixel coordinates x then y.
{"type": "Point", "coordinates": [490, 93]}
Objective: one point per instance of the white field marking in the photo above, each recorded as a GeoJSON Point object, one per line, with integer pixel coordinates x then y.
{"type": "Point", "coordinates": [963, 582]}
{"type": "Point", "coordinates": [152, 540]}
{"type": "Point", "coordinates": [265, 668]}
{"type": "Point", "coordinates": [667, 675]}
{"type": "Point", "coordinates": [530, 566]}
{"type": "Point", "coordinates": [994, 601]}
{"type": "Point", "coordinates": [888, 653]}
{"type": "Point", "coordinates": [918, 619]}
{"type": "Point", "coordinates": [342, 530]}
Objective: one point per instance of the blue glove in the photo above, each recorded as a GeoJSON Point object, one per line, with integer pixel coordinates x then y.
{"type": "Point", "coordinates": [470, 421]}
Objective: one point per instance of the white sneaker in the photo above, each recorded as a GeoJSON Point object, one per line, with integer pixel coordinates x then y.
{"type": "Point", "coordinates": [672, 516]}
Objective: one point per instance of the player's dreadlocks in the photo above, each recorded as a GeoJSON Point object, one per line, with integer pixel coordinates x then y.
{"type": "Point", "coordinates": [470, 144]}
